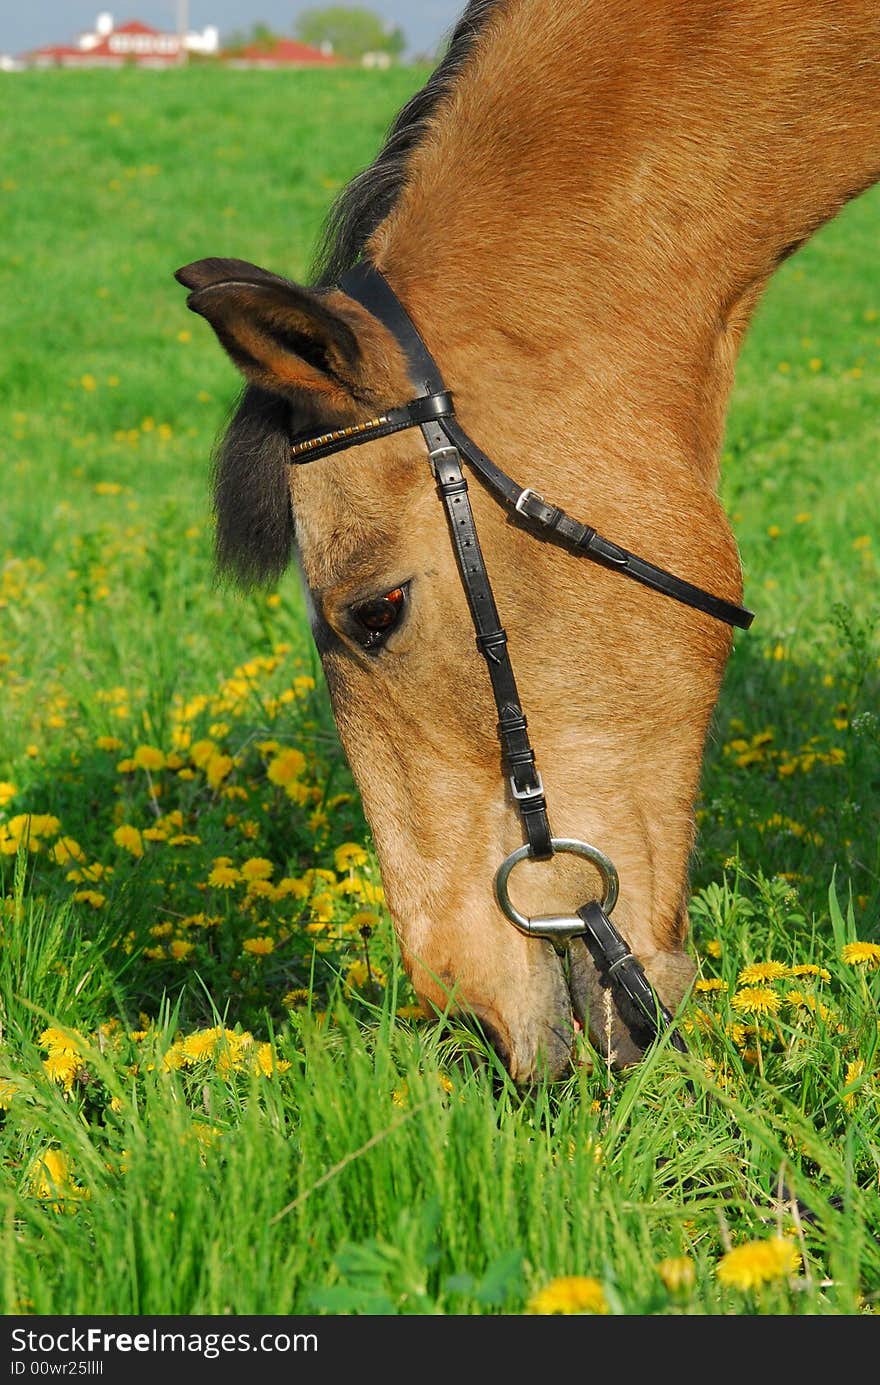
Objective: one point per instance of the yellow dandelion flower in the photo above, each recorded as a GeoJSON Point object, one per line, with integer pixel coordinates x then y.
{"type": "Point", "coordinates": [51, 1174]}
{"type": "Point", "coordinates": [262, 889]}
{"type": "Point", "coordinates": [678, 1273]}
{"type": "Point", "coordinates": [180, 949]}
{"type": "Point", "coordinates": [572, 1294]}
{"type": "Point", "coordinates": [708, 984]}
{"type": "Point", "coordinates": [93, 897]}
{"type": "Point", "coordinates": [811, 969]}
{"type": "Point", "coordinates": [199, 1045]}
{"type": "Point", "coordinates": [291, 885]}
{"type": "Point", "coordinates": [259, 947]}
{"type": "Point", "coordinates": [861, 954]}
{"type": "Point", "coordinates": [758, 1262]}
{"type": "Point", "coordinates": [358, 974]}
{"type": "Point", "coordinates": [8, 1092]}
{"type": "Point", "coordinates": [218, 768]}
{"type": "Point", "coordinates": [61, 1041]}
{"type": "Point", "coordinates": [364, 918]}
{"type": "Point", "coordinates": [300, 996]}
{"type": "Point", "coordinates": [761, 971]}
{"type": "Point", "coordinates": [223, 877]}
{"type": "Point", "coordinates": [348, 856]}
{"type": "Point", "coordinates": [286, 767]}
{"type": "Point", "coordinates": [854, 1071]}
{"type": "Point", "coordinates": [257, 868]}
{"type": "Point", "coordinates": [298, 793]}
{"type": "Point", "coordinates": [7, 792]}
{"type": "Point", "coordinates": [267, 1062]}
{"type": "Point", "coordinates": [62, 1067]}
{"type": "Point", "coordinates": [65, 850]}
{"type": "Point", "coordinates": [129, 838]}
{"type": "Point", "coordinates": [756, 1000]}
{"type": "Point", "coordinates": [323, 907]}
{"type": "Point", "coordinates": [410, 1012]}
{"type": "Point", "coordinates": [149, 757]}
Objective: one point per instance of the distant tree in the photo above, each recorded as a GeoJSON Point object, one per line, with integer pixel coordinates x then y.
{"type": "Point", "coordinates": [350, 31]}
{"type": "Point", "coordinates": [243, 38]}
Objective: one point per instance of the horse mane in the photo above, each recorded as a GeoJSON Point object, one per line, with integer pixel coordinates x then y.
{"type": "Point", "coordinates": [369, 198]}
{"type": "Point", "coordinates": [254, 523]}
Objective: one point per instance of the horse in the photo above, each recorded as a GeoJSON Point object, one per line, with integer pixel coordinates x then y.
{"type": "Point", "coordinates": [576, 216]}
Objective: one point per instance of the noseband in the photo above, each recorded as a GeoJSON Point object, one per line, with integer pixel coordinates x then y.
{"type": "Point", "coordinates": [432, 410]}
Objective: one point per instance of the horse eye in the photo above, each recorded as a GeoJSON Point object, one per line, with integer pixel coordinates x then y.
{"type": "Point", "coordinates": [377, 618]}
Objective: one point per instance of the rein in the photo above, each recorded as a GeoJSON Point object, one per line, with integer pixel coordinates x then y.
{"type": "Point", "coordinates": [432, 411]}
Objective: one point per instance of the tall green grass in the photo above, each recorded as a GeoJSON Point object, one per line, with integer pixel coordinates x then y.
{"type": "Point", "coordinates": [196, 1121]}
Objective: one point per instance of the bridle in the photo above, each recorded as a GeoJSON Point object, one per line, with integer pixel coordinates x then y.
{"type": "Point", "coordinates": [432, 410]}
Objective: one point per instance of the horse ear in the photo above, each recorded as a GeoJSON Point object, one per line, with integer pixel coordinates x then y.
{"type": "Point", "coordinates": [283, 338]}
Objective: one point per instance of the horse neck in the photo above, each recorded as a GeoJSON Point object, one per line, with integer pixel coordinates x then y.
{"type": "Point", "coordinates": [604, 194]}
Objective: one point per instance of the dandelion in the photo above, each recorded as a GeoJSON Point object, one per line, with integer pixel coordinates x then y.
{"type": "Point", "coordinates": [61, 1041]}
{"type": "Point", "coordinates": [348, 856]}
{"type": "Point", "coordinates": [572, 1294]}
{"type": "Point", "coordinates": [300, 996]}
{"type": "Point", "coordinates": [762, 971]}
{"type": "Point", "coordinates": [286, 767]}
{"type": "Point", "coordinates": [259, 947]}
{"type": "Point", "coordinates": [111, 743]}
{"type": "Point", "coordinates": [93, 897]}
{"type": "Point", "coordinates": [149, 757]}
{"type": "Point", "coordinates": [7, 792]}
{"type": "Point", "coordinates": [861, 954]}
{"type": "Point", "coordinates": [67, 849]}
{"type": "Point", "coordinates": [61, 1067]}
{"type": "Point", "coordinates": [129, 838]}
{"type": "Point", "coordinates": [223, 876]}
{"type": "Point", "coordinates": [756, 1000]}
{"type": "Point", "coordinates": [811, 969]}
{"type": "Point", "coordinates": [199, 1045]}
{"type": "Point", "coordinates": [52, 1177]}
{"type": "Point", "coordinates": [757, 1262]}
{"type": "Point", "coordinates": [854, 1071]}
{"type": "Point", "coordinates": [678, 1273]}
{"type": "Point", "coordinates": [180, 949]}
{"type": "Point", "coordinates": [709, 984]}
{"type": "Point", "coordinates": [257, 868]}
{"type": "Point", "coordinates": [217, 769]}
{"type": "Point", "coordinates": [359, 974]}
{"type": "Point", "coordinates": [267, 1062]}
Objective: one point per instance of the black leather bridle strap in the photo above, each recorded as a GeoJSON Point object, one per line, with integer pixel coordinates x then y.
{"type": "Point", "coordinates": [553, 522]}
{"type": "Point", "coordinates": [519, 757]}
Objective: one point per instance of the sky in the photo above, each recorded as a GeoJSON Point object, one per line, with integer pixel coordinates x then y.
{"type": "Point", "coordinates": [35, 22]}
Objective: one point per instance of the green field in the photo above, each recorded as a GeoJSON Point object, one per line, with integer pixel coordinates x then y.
{"type": "Point", "coordinates": [216, 1095]}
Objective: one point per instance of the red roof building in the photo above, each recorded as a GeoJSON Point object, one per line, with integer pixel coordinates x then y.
{"type": "Point", "coordinates": [111, 45]}
{"type": "Point", "coordinates": [285, 52]}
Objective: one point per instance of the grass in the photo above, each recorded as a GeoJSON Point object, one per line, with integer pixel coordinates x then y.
{"type": "Point", "coordinates": [216, 1095]}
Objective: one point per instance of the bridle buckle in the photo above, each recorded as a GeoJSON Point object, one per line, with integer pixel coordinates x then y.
{"type": "Point", "coordinates": [537, 790]}
{"type": "Point", "coordinates": [524, 496]}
